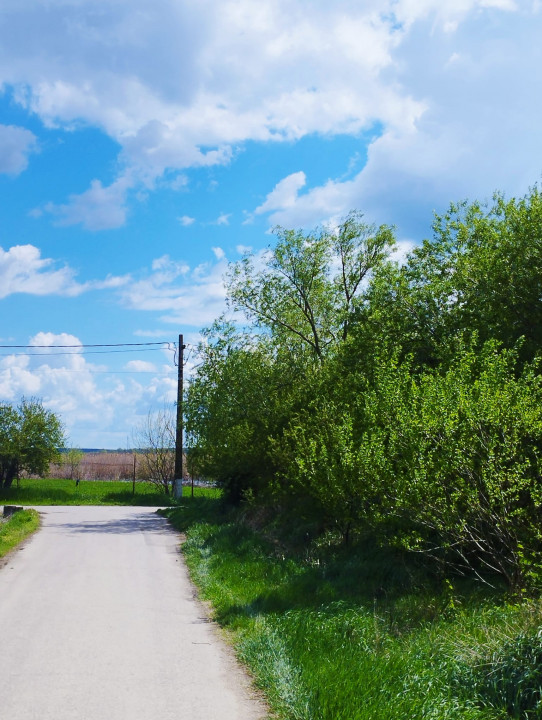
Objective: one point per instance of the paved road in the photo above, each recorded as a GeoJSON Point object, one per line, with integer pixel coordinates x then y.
{"type": "Point", "coordinates": [98, 622]}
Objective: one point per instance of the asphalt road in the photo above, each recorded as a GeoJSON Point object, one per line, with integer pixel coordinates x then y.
{"type": "Point", "coordinates": [98, 621]}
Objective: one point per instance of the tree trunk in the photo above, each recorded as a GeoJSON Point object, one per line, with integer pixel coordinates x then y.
{"type": "Point", "coordinates": [8, 475]}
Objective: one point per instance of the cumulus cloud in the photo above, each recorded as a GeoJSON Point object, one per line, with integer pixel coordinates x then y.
{"type": "Point", "coordinates": [225, 72]}
{"type": "Point", "coordinates": [182, 295]}
{"type": "Point", "coordinates": [98, 208]}
{"type": "Point", "coordinates": [471, 138]}
{"type": "Point", "coordinates": [219, 74]}
{"type": "Point", "coordinates": [284, 194]}
{"type": "Point", "coordinates": [68, 384]}
{"type": "Point", "coordinates": [16, 144]}
{"type": "Point", "coordinates": [24, 270]}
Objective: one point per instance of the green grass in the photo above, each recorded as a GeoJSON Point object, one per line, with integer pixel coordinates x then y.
{"type": "Point", "coordinates": [44, 491]}
{"type": "Point", "coordinates": [15, 529]}
{"type": "Point", "coordinates": [362, 633]}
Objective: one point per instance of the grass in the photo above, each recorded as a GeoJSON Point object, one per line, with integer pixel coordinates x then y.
{"type": "Point", "coordinates": [43, 491]}
{"type": "Point", "coordinates": [18, 527]}
{"type": "Point", "coordinates": [363, 633]}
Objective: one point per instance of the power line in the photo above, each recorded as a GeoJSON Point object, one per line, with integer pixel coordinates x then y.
{"type": "Point", "coordinates": [97, 345]}
{"type": "Point", "coordinates": [86, 352]}
{"type": "Point", "coordinates": [119, 372]}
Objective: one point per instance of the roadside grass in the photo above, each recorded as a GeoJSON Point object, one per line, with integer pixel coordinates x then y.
{"type": "Point", "coordinates": [363, 633]}
{"type": "Point", "coordinates": [16, 528]}
{"type": "Point", "coordinates": [46, 491]}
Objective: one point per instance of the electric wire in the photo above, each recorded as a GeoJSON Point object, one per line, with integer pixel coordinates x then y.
{"type": "Point", "coordinates": [80, 350]}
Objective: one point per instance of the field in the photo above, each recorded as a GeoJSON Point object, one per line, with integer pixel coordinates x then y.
{"type": "Point", "coordinates": [97, 465]}
{"type": "Point", "coordinates": [60, 491]}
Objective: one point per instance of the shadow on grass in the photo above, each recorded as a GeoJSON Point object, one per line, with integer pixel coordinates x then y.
{"type": "Point", "coordinates": [85, 494]}
{"type": "Point", "coordinates": [37, 496]}
{"type": "Point", "coordinates": [145, 500]}
{"type": "Point", "coordinates": [263, 577]}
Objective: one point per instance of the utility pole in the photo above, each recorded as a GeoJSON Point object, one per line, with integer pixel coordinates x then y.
{"type": "Point", "coordinates": [178, 480]}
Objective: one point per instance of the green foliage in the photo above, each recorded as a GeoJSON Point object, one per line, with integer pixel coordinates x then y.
{"type": "Point", "coordinates": [239, 397]}
{"type": "Point", "coordinates": [400, 402]}
{"type": "Point", "coordinates": [465, 448]}
{"type": "Point", "coordinates": [72, 461]}
{"type": "Point", "coordinates": [30, 436]}
{"type": "Point", "coordinates": [359, 634]}
{"type": "Point", "coordinates": [311, 286]}
{"type": "Point", "coordinates": [480, 273]}
{"type": "Point", "coordinates": [324, 460]}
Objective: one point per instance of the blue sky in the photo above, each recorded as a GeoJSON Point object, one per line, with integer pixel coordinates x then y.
{"type": "Point", "coordinates": [144, 145]}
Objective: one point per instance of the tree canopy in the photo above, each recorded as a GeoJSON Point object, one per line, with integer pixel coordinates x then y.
{"type": "Point", "coordinates": [30, 438]}
{"type": "Point", "coordinates": [397, 399]}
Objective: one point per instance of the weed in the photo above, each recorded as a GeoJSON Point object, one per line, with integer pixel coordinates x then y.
{"type": "Point", "coordinates": [361, 634]}
{"type": "Point", "coordinates": [14, 530]}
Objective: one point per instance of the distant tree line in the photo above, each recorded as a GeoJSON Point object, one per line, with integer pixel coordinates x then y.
{"type": "Point", "coordinates": [401, 400]}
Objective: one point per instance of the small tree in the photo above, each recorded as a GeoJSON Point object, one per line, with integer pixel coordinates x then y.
{"type": "Point", "coordinates": [72, 462]}
{"type": "Point", "coordinates": [155, 440]}
{"type": "Point", "coordinates": [30, 437]}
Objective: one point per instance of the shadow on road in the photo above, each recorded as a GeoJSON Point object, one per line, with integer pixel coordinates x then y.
{"type": "Point", "coordinates": [140, 523]}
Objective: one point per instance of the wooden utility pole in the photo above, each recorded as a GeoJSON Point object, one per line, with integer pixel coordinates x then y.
{"type": "Point", "coordinates": [178, 480]}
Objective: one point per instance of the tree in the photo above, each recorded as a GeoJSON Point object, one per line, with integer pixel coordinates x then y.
{"type": "Point", "coordinates": [239, 397]}
{"type": "Point", "coordinates": [310, 286]}
{"type": "Point", "coordinates": [480, 273]}
{"type": "Point", "coordinates": [30, 438]}
{"type": "Point", "coordinates": [155, 440]}
{"type": "Point", "coordinates": [72, 461]}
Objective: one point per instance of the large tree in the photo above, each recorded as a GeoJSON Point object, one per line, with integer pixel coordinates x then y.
{"type": "Point", "coordinates": [311, 285]}
{"type": "Point", "coordinates": [30, 437]}
{"type": "Point", "coordinates": [479, 274]}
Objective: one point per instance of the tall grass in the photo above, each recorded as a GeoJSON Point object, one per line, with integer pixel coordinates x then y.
{"type": "Point", "coordinates": [98, 465]}
{"type": "Point", "coordinates": [363, 633]}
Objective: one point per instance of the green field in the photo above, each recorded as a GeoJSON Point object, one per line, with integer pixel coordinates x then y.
{"type": "Point", "coordinates": [361, 633]}
{"type": "Point", "coordinates": [43, 491]}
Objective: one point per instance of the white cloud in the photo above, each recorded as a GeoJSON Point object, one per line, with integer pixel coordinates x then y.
{"type": "Point", "coordinates": [284, 194]}
{"type": "Point", "coordinates": [183, 85]}
{"type": "Point", "coordinates": [141, 366]}
{"type": "Point", "coordinates": [223, 219]}
{"type": "Point", "coordinates": [184, 296]}
{"type": "Point", "coordinates": [16, 144]}
{"type": "Point", "coordinates": [242, 249]}
{"type": "Point", "coordinates": [98, 208]}
{"type": "Point", "coordinates": [68, 384]}
{"type": "Point", "coordinates": [471, 139]}
{"type": "Point", "coordinates": [219, 253]}
{"type": "Point", "coordinates": [219, 74]}
{"type": "Point", "coordinates": [186, 220]}
{"type": "Point", "coordinates": [23, 270]}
